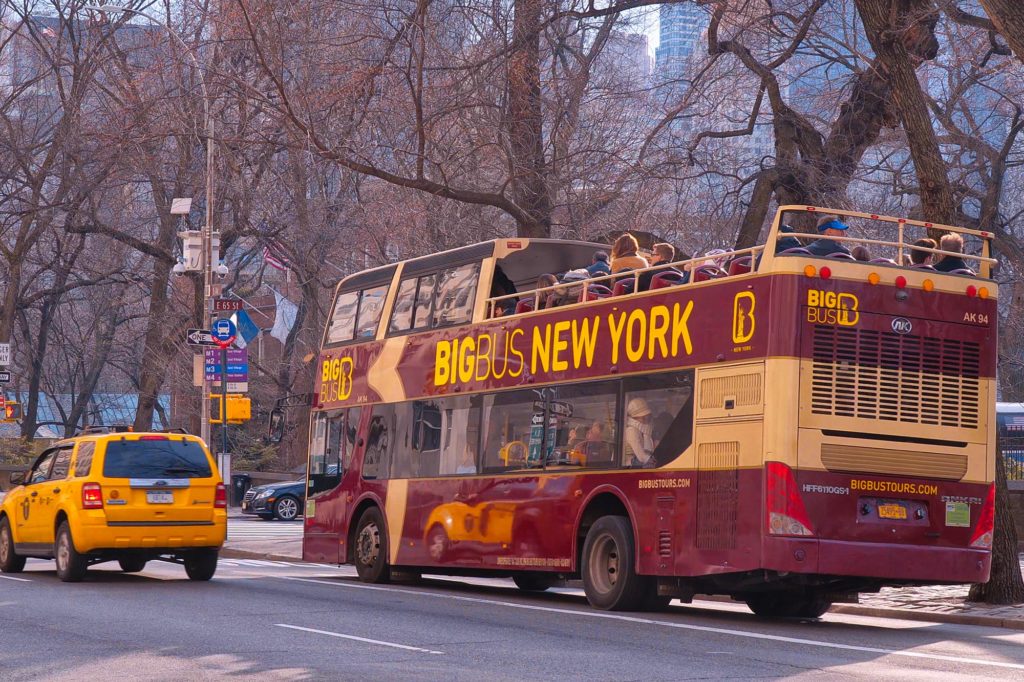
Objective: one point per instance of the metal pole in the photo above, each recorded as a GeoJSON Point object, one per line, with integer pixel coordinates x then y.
{"type": "Point", "coordinates": [224, 400]}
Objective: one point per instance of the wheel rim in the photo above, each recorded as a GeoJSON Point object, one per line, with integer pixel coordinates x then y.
{"type": "Point", "coordinates": [63, 552]}
{"type": "Point", "coordinates": [437, 543]}
{"type": "Point", "coordinates": [604, 564]}
{"type": "Point", "coordinates": [368, 546]}
{"type": "Point", "coordinates": [287, 509]}
{"type": "Point", "coordinates": [5, 547]}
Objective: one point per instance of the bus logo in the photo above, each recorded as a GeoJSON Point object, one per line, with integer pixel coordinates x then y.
{"type": "Point", "coordinates": [829, 307]}
{"type": "Point", "coordinates": [743, 317]}
{"type": "Point", "coordinates": [902, 325]}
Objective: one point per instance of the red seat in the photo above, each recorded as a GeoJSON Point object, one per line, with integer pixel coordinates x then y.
{"type": "Point", "coordinates": [595, 291]}
{"type": "Point", "coordinates": [740, 266]}
{"type": "Point", "coordinates": [525, 305]}
{"type": "Point", "coordinates": [706, 272]}
{"type": "Point", "coordinates": [623, 287]}
{"type": "Point", "coordinates": [667, 279]}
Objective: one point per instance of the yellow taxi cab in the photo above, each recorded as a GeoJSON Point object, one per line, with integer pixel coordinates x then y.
{"type": "Point", "coordinates": [121, 496]}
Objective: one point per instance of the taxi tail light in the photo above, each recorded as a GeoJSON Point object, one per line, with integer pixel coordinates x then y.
{"type": "Point", "coordinates": [786, 512]}
{"type": "Point", "coordinates": [220, 498]}
{"type": "Point", "coordinates": [982, 538]}
{"type": "Point", "coordinates": [153, 438]}
{"type": "Point", "coordinates": [92, 496]}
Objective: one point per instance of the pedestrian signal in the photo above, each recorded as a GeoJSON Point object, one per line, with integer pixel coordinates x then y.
{"type": "Point", "coordinates": [12, 412]}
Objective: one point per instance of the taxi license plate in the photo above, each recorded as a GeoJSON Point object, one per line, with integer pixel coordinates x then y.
{"type": "Point", "coordinates": [159, 497]}
{"type": "Point", "coordinates": [245, 505]}
{"type": "Point", "coordinates": [892, 511]}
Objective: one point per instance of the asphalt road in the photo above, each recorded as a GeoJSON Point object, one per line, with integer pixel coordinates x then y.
{"type": "Point", "coordinates": [296, 621]}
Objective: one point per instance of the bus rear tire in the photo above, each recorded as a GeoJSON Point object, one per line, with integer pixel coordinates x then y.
{"type": "Point", "coordinates": [371, 548]}
{"type": "Point", "coordinates": [610, 580]}
{"type": "Point", "coordinates": [788, 605]}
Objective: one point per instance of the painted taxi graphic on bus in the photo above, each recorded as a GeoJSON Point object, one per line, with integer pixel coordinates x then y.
{"type": "Point", "coordinates": [458, 522]}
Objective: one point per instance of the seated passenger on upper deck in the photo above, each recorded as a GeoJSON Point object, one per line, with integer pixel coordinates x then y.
{"type": "Point", "coordinates": [600, 267]}
{"type": "Point", "coordinates": [660, 253]}
{"type": "Point", "coordinates": [626, 254]}
{"type": "Point", "coordinates": [501, 285]}
{"type": "Point", "coordinates": [829, 226]}
{"type": "Point", "coordinates": [951, 242]}
{"type": "Point", "coordinates": [784, 243]}
{"type": "Point", "coordinates": [919, 257]}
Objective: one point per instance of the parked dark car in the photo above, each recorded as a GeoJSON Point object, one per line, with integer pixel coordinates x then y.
{"type": "Point", "coordinates": [285, 500]}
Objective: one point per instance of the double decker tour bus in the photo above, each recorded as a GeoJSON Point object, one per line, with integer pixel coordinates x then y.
{"type": "Point", "coordinates": [786, 429]}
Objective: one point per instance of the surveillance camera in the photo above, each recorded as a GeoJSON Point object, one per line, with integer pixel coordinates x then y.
{"type": "Point", "coordinates": [178, 269]}
{"type": "Point", "coordinates": [221, 270]}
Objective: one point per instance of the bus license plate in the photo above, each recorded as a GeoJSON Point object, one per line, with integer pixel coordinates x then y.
{"type": "Point", "coordinates": [892, 511]}
{"type": "Point", "coordinates": [159, 497]}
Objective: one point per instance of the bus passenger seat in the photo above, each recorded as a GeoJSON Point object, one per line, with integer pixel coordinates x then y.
{"type": "Point", "coordinates": [963, 271]}
{"type": "Point", "coordinates": [922, 266]}
{"type": "Point", "coordinates": [623, 287]}
{"type": "Point", "coordinates": [883, 261]}
{"type": "Point", "coordinates": [525, 305]}
{"type": "Point", "coordinates": [839, 255]}
{"type": "Point", "coordinates": [706, 272]}
{"type": "Point", "coordinates": [740, 266]}
{"type": "Point", "coordinates": [795, 251]}
{"type": "Point", "coordinates": [667, 279]}
{"type": "Point", "coordinates": [596, 291]}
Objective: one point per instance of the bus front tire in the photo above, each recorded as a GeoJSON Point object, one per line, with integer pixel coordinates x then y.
{"type": "Point", "coordinates": [609, 560]}
{"type": "Point", "coordinates": [788, 605]}
{"type": "Point", "coordinates": [371, 548]}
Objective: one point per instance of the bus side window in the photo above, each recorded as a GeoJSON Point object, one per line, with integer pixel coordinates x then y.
{"type": "Point", "coordinates": [371, 305]}
{"type": "Point", "coordinates": [424, 302]}
{"type": "Point", "coordinates": [405, 301]}
{"type": "Point", "coordinates": [344, 318]}
{"type": "Point", "coordinates": [507, 428]}
{"type": "Point", "coordinates": [324, 468]}
{"type": "Point", "coordinates": [379, 436]}
{"type": "Point", "coordinates": [350, 437]}
{"type": "Point", "coordinates": [456, 294]}
{"type": "Point", "coordinates": [657, 418]}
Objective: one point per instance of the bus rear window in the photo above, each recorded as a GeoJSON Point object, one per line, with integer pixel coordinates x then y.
{"type": "Point", "coordinates": [155, 459]}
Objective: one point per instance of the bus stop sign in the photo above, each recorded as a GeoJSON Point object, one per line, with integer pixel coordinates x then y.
{"type": "Point", "coordinates": [223, 332]}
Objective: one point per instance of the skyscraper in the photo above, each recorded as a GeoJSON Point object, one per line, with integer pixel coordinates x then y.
{"type": "Point", "coordinates": [681, 32]}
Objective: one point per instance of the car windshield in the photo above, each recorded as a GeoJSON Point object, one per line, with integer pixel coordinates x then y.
{"type": "Point", "coordinates": [156, 459]}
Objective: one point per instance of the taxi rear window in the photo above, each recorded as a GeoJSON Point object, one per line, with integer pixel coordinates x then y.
{"type": "Point", "coordinates": [155, 459]}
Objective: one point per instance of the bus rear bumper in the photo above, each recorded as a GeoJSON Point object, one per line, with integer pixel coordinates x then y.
{"type": "Point", "coordinates": [884, 561]}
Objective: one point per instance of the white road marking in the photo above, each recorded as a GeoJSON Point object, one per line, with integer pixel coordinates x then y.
{"type": "Point", "coordinates": [11, 577]}
{"type": "Point", "coordinates": [359, 639]}
{"type": "Point", "coordinates": [681, 626]}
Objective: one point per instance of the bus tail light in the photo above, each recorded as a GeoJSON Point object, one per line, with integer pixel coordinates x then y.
{"type": "Point", "coordinates": [220, 497]}
{"type": "Point", "coordinates": [982, 538]}
{"type": "Point", "coordinates": [786, 512]}
{"type": "Point", "coordinates": [92, 496]}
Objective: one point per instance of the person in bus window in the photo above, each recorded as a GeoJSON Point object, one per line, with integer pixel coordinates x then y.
{"type": "Point", "coordinates": [829, 226]}
{"type": "Point", "coordinates": [467, 464]}
{"type": "Point", "coordinates": [660, 253]}
{"type": "Point", "coordinates": [919, 257]}
{"type": "Point", "coordinates": [501, 285]}
{"type": "Point", "coordinates": [955, 243]}
{"type": "Point", "coordinates": [547, 299]}
{"type": "Point", "coordinates": [592, 447]}
{"type": "Point", "coordinates": [638, 440]}
{"type": "Point", "coordinates": [626, 254]}
{"type": "Point", "coordinates": [600, 267]}
{"type": "Point", "coordinates": [784, 243]}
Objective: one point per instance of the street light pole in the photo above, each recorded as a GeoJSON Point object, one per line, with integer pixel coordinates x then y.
{"type": "Point", "coordinates": [207, 259]}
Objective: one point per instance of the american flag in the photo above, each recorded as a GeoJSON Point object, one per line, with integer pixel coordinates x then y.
{"type": "Point", "coordinates": [273, 260]}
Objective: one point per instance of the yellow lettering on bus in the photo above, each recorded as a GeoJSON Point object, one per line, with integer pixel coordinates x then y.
{"type": "Point", "coordinates": [616, 330]}
{"type": "Point", "coordinates": [466, 356]}
{"type": "Point", "coordinates": [636, 335]}
{"type": "Point", "coordinates": [483, 356]}
{"type": "Point", "coordinates": [515, 351]}
{"type": "Point", "coordinates": [442, 358]}
{"type": "Point", "coordinates": [680, 330]}
{"type": "Point", "coordinates": [658, 331]}
{"type": "Point", "coordinates": [541, 349]}
{"type": "Point", "coordinates": [742, 311]}
{"type": "Point", "coordinates": [584, 341]}
{"type": "Point", "coordinates": [558, 345]}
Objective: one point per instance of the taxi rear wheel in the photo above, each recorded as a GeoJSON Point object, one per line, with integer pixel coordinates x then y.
{"type": "Point", "coordinates": [132, 564]}
{"type": "Point", "coordinates": [201, 564]}
{"type": "Point", "coordinates": [71, 565]}
{"type": "Point", "coordinates": [10, 562]}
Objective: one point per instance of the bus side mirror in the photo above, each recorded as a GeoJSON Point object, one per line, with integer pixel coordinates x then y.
{"type": "Point", "coordinates": [276, 426]}
{"type": "Point", "coordinates": [17, 477]}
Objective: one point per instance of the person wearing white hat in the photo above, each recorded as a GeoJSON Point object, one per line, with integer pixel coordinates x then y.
{"type": "Point", "coordinates": [639, 444]}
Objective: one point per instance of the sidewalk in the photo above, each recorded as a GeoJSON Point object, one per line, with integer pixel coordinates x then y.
{"type": "Point", "coordinates": [936, 604]}
{"type": "Point", "coordinates": [244, 546]}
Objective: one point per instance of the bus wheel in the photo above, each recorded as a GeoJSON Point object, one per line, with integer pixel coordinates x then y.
{"type": "Point", "coordinates": [371, 548]}
{"type": "Point", "coordinates": [609, 556]}
{"type": "Point", "coordinates": [532, 582]}
{"type": "Point", "coordinates": [788, 605]}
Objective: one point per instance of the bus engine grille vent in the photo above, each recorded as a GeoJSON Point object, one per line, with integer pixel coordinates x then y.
{"type": "Point", "coordinates": [744, 388]}
{"type": "Point", "coordinates": [854, 459]}
{"type": "Point", "coordinates": [717, 494]}
{"type": "Point", "coordinates": [894, 377]}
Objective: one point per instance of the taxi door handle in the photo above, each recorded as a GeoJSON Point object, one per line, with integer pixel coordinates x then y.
{"type": "Point", "coordinates": [56, 490]}
{"type": "Point", "coordinates": [35, 494]}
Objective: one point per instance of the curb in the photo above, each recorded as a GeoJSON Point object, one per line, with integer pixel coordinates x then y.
{"type": "Point", "coordinates": [929, 616]}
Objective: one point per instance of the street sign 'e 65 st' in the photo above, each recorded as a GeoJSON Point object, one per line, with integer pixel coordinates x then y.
{"type": "Point", "coordinates": [222, 305]}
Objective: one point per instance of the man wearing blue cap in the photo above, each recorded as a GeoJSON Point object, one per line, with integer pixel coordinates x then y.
{"type": "Point", "coordinates": [829, 226]}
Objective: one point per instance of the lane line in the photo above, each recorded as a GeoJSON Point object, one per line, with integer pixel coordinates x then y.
{"type": "Point", "coordinates": [358, 639]}
{"type": "Point", "coordinates": [679, 626]}
{"type": "Point", "coordinates": [11, 577]}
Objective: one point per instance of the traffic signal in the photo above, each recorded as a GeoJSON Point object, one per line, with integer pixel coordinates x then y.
{"type": "Point", "coordinates": [238, 408]}
{"type": "Point", "coordinates": [12, 412]}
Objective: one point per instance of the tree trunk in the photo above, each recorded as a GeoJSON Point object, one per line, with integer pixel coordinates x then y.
{"type": "Point", "coordinates": [1005, 585]}
{"type": "Point", "coordinates": [887, 40]}
{"type": "Point", "coordinates": [1008, 16]}
{"type": "Point", "coordinates": [525, 122]}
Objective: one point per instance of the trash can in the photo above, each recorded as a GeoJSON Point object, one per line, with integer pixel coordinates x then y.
{"type": "Point", "coordinates": [240, 483]}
